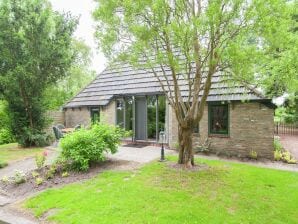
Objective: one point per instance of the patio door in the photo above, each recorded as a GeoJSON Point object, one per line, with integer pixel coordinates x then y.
{"type": "Point", "coordinates": [140, 118]}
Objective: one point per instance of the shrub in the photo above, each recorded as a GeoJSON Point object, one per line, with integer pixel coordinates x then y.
{"type": "Point", "coordinates": [31, 137]}
{"type": "Point", "coordinates": [34, 174]}
{"type": "Point", "coordinates": [85, 146]}
{"type": "Point", "coordinates": [277, 155]}
{"type": "Point", "coordinates": [6, 136]}
{"type": "Point", "coordinates": [38, 180]}
{"type": "Point", "coordinates": [287, 157]}
{"type": "Point", "coordinates": [65, 174]}
{"type": "Point", "coordinates": [5, 180]}
{"type": "Point", "coordinates": [19, 177]}
{"type": "Point", "coordinates": [253, 154]}
{"type": "Point", "coordinates": [3, 164]}
{"type": "Point", "coordinates": [51, 172]}
{"type": "Point", "coordinates": [40, 159]}
{"type": "Point", "coordinates": [277, 145]}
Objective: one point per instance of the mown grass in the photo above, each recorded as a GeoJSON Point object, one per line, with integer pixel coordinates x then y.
{"type": "Point", "coordinates": [223, 193]}
{"type": "Point", "coordinates": [11, 152]}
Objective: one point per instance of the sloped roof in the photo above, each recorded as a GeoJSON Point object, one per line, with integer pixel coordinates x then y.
{"type": "Point", "coordinates": [127, 80]}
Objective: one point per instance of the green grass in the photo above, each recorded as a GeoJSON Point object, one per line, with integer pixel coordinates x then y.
{"type": "Point", "coordinates": [11, 152]}
{"type": "Point", "coordinates": [224, 193]}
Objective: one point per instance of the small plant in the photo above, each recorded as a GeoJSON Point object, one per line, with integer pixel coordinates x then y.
{"type": "Point", "coordinates": [277, 155]}
{"type": "Point", "coordinates": [287, 157]}
{"type": "Point", "coordinates": [65, 174]}
{"type": "Point", "coordinates": [253, 154]}
{"type": "Point", "coordinates": [5, 180]}
{"type": "Point", "coordinates": [277, 145]}
{"type": "Point", "coordinates": [51, 172]}
{"type": "Point", "coordinates": [38, 181]}
{"type": "Point", "coordinates": [40, 159]}
{"type": "Point", "coordinates": [34, 174]}
{"type": "Point", "coordinates": [3, 164]}
{"type": "Point", "coordinates": [19, 177]}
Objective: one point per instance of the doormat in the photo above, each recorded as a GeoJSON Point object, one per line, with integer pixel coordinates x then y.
{"type": "Point", "coordinates": [135, 145]}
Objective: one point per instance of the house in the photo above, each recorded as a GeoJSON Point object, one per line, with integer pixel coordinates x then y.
{"type": "Point", "coordinates": [236, 120]}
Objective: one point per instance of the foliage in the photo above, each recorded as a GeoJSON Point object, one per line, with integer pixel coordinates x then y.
{"type": "Point", "coordinates": [277, 145]}
{"type": "Point", "coordinates": [85, 146]}
{"type": "Point", "coordinates": [288, 113]}
{"type": "Point", "coordinates": [253, 154]}
{"type": "Point", "coordinates": [237, 38]}
{"type": "Point", "coordinates": [277, 155]}
{"type": "Point", "coordinates": [78, 76]}
{"type": "Point", "coordinates": [3, 164]}
{"type": "Point", "coordinates": [40, 160]}
{"type": "Point", "coordinates": [5, 180]}
{"type": "Point", "coordinates": [35, 44]}
{"type": "Point", "coordinates": [282, 154]}
{"type": "Point", "coordinates": [38, 181]}
{"type": "Point", "coordinates": [34, 174]}
{"type": "Point", "coordinates": [6, 136]}
{"type": "Point", "coordinates": [65, 174]}
{"type": "Point", "coordinates": [51, 172]}
{"type": "Point", "coordinates": [288, 158]}
{"type": "Point", "coordinates": [225, 192]}
{"type": "Point", "coordinates": [19, 177]}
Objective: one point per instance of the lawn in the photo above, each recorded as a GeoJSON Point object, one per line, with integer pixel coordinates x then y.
{"type": "Point", "coordinates": [12, 152]}
{"type": "Point", "coordinates": [223, 193]}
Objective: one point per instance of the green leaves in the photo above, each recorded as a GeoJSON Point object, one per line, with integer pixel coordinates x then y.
{"type": "Point", "coordinates": [85, 146]}
{"type": "Point", "coordinates": [35, 52]}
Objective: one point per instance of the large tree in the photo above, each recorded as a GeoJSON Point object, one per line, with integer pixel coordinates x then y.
{"type": "Point", "coordinates": [35, 51]}
{"type": "Point", "coordinates": [78, 76]}
{"type": "Point", "coordinates": [193, 39]}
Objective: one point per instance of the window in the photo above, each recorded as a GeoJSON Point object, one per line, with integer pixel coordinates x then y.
{"type": "Point", "coordinates": [219, 119]}
{"type": "Point", "coordinates": [94, 115]}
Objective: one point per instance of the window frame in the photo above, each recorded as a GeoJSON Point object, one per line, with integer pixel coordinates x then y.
{"type": "Point", "coordinates": [224, 104]}
{"type": "Point", "coordinates": [92, 110]}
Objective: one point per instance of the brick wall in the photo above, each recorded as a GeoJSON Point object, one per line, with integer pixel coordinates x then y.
{"type": "Point", "coordinates": [75, 116]}
{"type": "Point", "coordinates": [55, 117]}
{"type": "Point", "coordinates": [251, 128]}
{"type": "Point", "coordinates": [108, 113]}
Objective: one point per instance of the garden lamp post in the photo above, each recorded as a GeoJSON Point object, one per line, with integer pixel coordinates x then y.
{"type": "Point", "coordinates": [162, 140]}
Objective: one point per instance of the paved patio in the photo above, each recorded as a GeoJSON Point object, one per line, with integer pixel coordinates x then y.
{"type": "Point", "coordinates": [139, 154]}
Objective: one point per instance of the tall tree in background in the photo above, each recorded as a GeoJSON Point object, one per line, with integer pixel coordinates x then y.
{"type": "Point", "coordinates": [78, 76]}
{"type": "Point", "coordinates": [193, 40]}
{"type": "Point", "coordinates": [35, 51]}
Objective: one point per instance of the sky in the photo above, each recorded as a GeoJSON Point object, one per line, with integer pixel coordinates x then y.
{"type": "Point", "coordinates": [86, 27]}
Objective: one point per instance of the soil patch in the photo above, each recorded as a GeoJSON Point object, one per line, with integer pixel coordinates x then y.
{"type": "Point", "coordinates": [30, 187]}
{"type": "Point", "coordinates": [196, 167]}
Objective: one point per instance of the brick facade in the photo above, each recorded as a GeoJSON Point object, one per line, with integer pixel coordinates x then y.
{"type": "Point", "coordinates": [251, 128]}
{"type": "Point", "coordinates": [77, 116]}
{"type": "Point", "coordinates": [108, 113]}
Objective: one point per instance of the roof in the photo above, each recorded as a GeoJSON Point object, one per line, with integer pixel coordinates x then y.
{"type": "Point", "coordinates": [127, 80]}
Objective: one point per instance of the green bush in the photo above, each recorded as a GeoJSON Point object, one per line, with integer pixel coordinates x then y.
{"type": "Point", "coordinates": [6, 136]}
{"type": "Point", "coordinates": [31, 137]}
{"type": "Point", "coordinates": [85, 146]}
{"type": "Point", "coordinates": [277, 145]}
{"type": "Point", "coordinates": [3, 164]}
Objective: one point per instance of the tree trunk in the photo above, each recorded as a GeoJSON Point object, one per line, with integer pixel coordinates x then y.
{"type": "Point", "coordinates": [186, 155]}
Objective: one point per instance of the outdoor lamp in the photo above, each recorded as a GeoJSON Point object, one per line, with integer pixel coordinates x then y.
{"type": "Point", "coordinates": [162, 140]}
